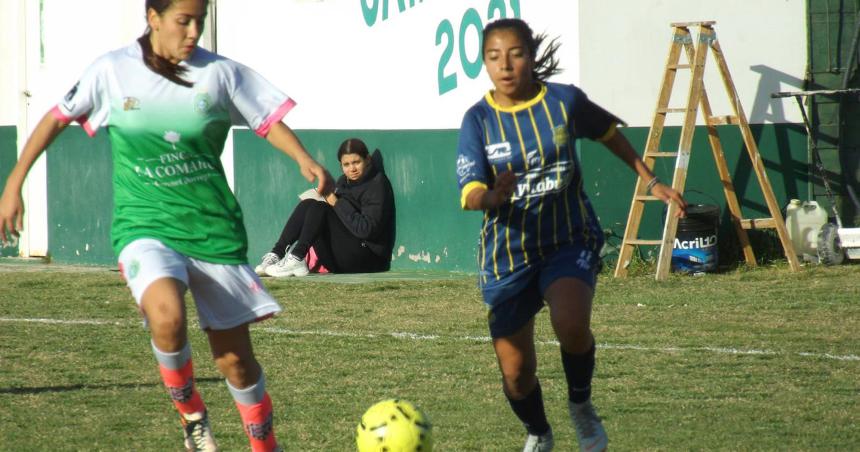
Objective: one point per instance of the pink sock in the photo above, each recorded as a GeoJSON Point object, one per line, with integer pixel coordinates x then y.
{"type": "Point", "coordinates": [180, 386]}
{"type": "Point", "coordinates": [257, 419]}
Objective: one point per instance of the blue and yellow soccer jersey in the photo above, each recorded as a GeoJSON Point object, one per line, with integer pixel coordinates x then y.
{"type": "Point", "coordinates": [537, 141]}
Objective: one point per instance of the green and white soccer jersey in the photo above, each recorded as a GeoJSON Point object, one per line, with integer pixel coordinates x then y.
{"type": "Point", "coordinates": [167, 140]}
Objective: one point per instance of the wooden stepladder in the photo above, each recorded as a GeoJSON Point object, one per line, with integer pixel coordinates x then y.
{"type": "Point", "coordinates": [696, 56]}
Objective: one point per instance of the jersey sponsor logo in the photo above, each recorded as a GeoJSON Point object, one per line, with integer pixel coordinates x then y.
{"type": "Point", "coordinates": [130, 103]}
{"type": "Point", "coordinates": [541, 181]}
{"type": "Point", "coordinates": [560, 137]}
{"type": "Point", "coordinates": [498, 151]}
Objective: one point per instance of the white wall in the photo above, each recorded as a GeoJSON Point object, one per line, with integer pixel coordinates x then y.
{"type": "Point", "coordinates": [345, 73]}
{"type": "Point", "coordinates": [624, 45]}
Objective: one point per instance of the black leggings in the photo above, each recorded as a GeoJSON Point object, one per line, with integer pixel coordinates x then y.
{"type": "Point", "coordinates": [315, 223]}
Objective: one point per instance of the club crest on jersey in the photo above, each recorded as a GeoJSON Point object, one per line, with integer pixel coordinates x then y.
{"type": "Point", "coordinates": [498, 151]}
{"type": "Point", "coordinates": [560, 137]}
{"type": "Point", "coordinates": [202, 103]}
{"type": "Point", "coordinates": [130, 103]}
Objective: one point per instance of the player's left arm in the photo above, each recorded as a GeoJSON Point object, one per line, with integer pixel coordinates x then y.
{"type": "Point", "coordinates": [618, 144]}
{"type": "Point", "coordinates": [282, 137]}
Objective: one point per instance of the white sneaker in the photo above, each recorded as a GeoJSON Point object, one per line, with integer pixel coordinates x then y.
{"type": "Point", "coordinates": [268, 259]}
{"type": "Point", "coordinates": [542, 443]}
{"type": "Point", "coordinates": [589, 429]}
{"type": "Point", "coordinates": [198, 433]}
{"type": "Point", "coordinates": [288, 266]}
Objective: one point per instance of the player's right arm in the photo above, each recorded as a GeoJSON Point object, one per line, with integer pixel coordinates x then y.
{"type": "Point", "coordinates": [11, 204]}
{"type": "Point", "coordinates": [478, 189]}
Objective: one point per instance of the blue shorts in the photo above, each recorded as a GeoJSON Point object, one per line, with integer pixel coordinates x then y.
{"type": "Point", "coordinates": [516, 299]}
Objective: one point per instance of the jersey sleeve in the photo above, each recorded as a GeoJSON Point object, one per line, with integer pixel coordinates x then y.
{"type": "Point", "coordinates": [256, 102]}
{"type": "Point", "coordinates": [88, 102]}
{"type": "Point", "coordinates": [472, 166]}
{"type": "Point", "coordinates": [591, 120]}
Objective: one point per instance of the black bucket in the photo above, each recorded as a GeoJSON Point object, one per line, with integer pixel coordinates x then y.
{"type": "Point", "coordinates": [695, 249]}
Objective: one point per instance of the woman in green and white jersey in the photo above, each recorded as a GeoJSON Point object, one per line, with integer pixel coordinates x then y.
{"type": "Point", "coordinates": [167, 106]}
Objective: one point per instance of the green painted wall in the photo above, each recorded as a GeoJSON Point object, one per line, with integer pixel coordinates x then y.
{"type": "Point", "coordinates": [8, 157]}
{"type": "Point", "coordinates": [432, 232]}
{"type": "Point", "coordinates": [80, 198]}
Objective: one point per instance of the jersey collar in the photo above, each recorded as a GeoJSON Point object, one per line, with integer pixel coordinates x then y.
{"type": "Point", "coordinates": [519, 107]}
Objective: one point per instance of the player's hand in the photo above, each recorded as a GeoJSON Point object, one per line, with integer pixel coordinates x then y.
{"type": "Point", "coordinates": [313, 171]}
{"type": "Point", "coordinates": [503, 189]}
{"type": "Point", "coordinates": [11, 217]}
{"type": "Point", "coordinates": [667, 194]}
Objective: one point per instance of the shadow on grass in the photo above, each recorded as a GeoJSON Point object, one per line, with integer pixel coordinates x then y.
{"type": "Point", "coordinates": [87, 387]}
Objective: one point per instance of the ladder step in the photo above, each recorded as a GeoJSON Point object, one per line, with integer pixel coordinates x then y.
{"type": "Point", "coordinates": [671, 110]}
{"type": "Point", "coordinates": [643, 242]}
{"type": "Point", "coordinates": [758, 223]}
{"type": "Point", "coordinates": [723, 120]}
{"type": "Point", "coordinates": [646, 198]}
{"type": "Point", "coordinates": [661, 154]}
{"type": "Point", "coordinates": [675, 67]}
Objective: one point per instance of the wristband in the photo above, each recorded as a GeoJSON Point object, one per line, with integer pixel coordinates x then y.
{"type": "Point", "coordinates": [651, 183]}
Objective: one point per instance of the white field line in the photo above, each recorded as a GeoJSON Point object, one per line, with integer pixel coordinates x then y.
{"type": "Point", "coordinates": [433, 337]}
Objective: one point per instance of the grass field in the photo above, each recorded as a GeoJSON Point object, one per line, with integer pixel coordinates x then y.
{"type": "Point", "coordinates": [761, 359]}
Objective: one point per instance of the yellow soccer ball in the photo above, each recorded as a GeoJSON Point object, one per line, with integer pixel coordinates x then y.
{"type": "Point", "coordinates": [394, 426]}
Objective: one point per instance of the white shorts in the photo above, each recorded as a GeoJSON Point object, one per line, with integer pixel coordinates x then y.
{"type": "Point", "coordinates": [226, 295]}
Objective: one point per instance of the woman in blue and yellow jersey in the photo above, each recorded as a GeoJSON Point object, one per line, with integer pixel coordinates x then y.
{"type": "Point", "coordinates": [540, 238]}
{"type": "Point", "coordinates": [167, 106]}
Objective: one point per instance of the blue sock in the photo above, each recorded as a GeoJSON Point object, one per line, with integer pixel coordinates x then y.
{"type": "Point", "coordinates": [579, 369]}
{"type": "Point", "coordinates": [530, 411]}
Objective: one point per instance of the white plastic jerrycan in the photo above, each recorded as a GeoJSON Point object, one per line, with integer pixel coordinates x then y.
{"type": "Point", "coordinates": [804, 219]}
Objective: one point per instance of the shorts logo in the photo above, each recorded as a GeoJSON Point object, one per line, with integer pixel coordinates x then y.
{"type": "Point", "coordinates": [133, 269]}
{"type": "Point", "coordinates": [560, 137]}
{"type": "Point", "coordinates": [130, 103]}
{"type": "Point", "coordinates": [202, 103]}
{"type": "Point", "coordinates": [498, 151]}
{"type": "Point", "coordinates": [584, 261]}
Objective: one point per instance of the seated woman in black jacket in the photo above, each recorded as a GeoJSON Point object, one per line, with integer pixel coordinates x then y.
{"type": "Point", "coordinates": [352, 231]}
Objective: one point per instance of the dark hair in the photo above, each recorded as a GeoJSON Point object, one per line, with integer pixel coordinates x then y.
{"type": "Point", "coordinates": [352, 146]}
{"type": "Point", "coordinates": [158, 63]}
{"type": "Point", "coordinates": [547, 64]}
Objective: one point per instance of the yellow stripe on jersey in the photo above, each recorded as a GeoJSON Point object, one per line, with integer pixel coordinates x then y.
{"type": "Point", "coordinates": [464, 193]}
{"type": "Point", "coordinates": [528, 199]}
{"type": "Point", "coordinates": [571, 159]}
{"type": "Point", "coordinates": [495, 237]}
{"type": "Point", "coordinates": [609, 133]}
{"type": "Point", "coordinates": [557, 173]}
{"type": "Point", "coordinates": [501, 127]}
{"type": "Point", "coordinates": [540, 201]}
{"type": "Point", "coordinates": [508, 235]}
{"type": "Point", "coordinates": [482, 258]}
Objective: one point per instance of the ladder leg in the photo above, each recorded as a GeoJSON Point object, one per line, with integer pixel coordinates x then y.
{"type": "Point", "coordinates": [755, 157]}
{"type": "Point", "coordinates": [679, 179]}
{"type": "Point", "coordinates": [725, 178]}
{"type": "Point", "coordinates": [637, 206]}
